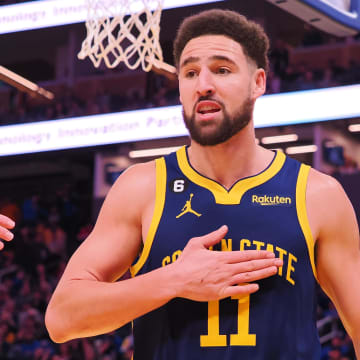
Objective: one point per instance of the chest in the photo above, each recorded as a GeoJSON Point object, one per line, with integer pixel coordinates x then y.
{"type": "Point", "coordinates": [264, 219]}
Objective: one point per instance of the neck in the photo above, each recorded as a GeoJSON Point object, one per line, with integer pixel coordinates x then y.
{"type": "Point", "coordinates": [237, 158]}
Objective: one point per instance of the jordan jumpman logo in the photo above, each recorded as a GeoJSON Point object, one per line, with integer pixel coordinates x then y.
{"type": "Point", "coordinates": [188, 209]}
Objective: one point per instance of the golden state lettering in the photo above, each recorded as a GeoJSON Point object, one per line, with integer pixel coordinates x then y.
{"type": "Point", "coordinates": [286, 271]}
{"type": "Point", "coordinates": [170, 259]}
{"type": "Point", "coordinates": [287, 257]}
{"type": "Point", "coordinates": [271, 200]}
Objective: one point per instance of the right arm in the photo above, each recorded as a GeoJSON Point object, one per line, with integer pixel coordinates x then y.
{"type": "Point", "coordinates": [88, 302]}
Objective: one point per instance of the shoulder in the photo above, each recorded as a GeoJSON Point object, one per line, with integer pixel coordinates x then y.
{"type": "Point", "coordinates": [132, 191]}
{"type": "Point", "coordinates": [327, 203]}
{"type": "Point", "coordinates": [139, 177]}
{"type": "Point", "coordinates": [320, 184]}
{"type": "Point", "coordinates": [324, 188]}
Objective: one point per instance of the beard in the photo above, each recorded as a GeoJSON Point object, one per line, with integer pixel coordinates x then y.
{"type": "Point", "coordinates": [210, 133]}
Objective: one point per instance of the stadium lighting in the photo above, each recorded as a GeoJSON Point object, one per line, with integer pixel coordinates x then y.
{"type": "Point", "coordinates": [152, 152]}
{"type": "Point", "coordinates": [354, 127]}
{"type": "Point", "coordinates": [301, 149]}
{"type": "Point", "coordinates": [279, 139]}
{"type": "Point", "coordinates": [167, 122]}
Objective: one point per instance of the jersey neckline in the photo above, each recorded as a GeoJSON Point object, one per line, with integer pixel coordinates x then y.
{"type": "Point", "coordinates": [235, 193]}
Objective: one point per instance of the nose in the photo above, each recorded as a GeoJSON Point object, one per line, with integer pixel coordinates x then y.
{"type": "Point", "coordinates": [205, 84]}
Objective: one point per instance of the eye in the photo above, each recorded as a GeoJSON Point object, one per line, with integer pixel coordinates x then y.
{"type": "Point", "coordinates": [223, 70]}
{"type": "Point", "coordinates": [190, 74]}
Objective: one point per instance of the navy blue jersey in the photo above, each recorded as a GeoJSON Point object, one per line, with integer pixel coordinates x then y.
{"type": "Point", "coordinates": [266, 211]}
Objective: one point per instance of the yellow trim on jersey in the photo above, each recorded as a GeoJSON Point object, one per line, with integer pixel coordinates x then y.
{"type": "Point", "coordinates": [302, 213]}
{"type": "Point", "coordinates": [221, 195]}
{"type": "Point", "coordinates": [158, 210]}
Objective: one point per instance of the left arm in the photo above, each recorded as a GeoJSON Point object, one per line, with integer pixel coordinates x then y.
{"type": "Point", "coordinates": [333, 222]}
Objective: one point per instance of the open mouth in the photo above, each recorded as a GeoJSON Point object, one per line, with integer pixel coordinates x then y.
{"type": "Point", "coordinates": [207, 107]}
{"type": "Point", "coordinates": [207, 111]}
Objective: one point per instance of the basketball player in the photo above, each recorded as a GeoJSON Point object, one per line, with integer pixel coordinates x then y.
{"type": "Point", "coordinates": [233, 238]}
{"type": "Point", "coordinates": [6, 224]}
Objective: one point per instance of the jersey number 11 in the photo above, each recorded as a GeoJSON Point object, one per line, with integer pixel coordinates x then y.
{"type": "Point", "coordinates": [242, 338]}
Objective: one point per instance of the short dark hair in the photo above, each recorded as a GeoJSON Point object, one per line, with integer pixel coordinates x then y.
{"type": "Point", "coordinates": [250, 35]}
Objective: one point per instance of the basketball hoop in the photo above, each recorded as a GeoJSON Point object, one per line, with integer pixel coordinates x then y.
{"type": "Point", "coordinates": [124, 31]}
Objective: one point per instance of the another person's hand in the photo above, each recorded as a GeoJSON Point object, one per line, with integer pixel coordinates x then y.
{"type": "Point", "coordinates": [6, 224]}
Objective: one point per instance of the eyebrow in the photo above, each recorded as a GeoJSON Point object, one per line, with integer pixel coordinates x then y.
{"type": "Point", "coordinates": [189, 60]}
{"type": "Point", "coordinates": [193, 59]}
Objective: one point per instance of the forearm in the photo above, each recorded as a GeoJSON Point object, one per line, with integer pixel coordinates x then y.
{"type": "Point", "coordinates": [82, 308]}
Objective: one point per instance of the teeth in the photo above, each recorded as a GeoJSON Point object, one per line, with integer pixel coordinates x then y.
{"type": "Point", "coordinates": [206, 109]}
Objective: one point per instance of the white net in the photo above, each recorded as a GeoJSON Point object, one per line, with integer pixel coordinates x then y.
{"type": "Point", "coordinates": [123, 31]}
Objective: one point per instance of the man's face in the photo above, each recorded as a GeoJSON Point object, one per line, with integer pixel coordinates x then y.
{"type": "Point", "coordinates": [215, 82]}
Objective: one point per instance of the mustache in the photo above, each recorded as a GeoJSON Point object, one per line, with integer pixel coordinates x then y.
{"type": "Point", "coordinates": [203, 98]}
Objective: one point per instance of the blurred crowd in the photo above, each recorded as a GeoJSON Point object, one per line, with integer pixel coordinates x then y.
{"type": "Point", "coordinates": [336, 344]}
{"type": "Point", "coordinates": [69, 103]}
{"type": "Point", "coordinates": [285, 76]}
{"type": "Point", "coordinates": [48, 231]}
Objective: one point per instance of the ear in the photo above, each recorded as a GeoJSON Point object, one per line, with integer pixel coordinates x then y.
{"type": "Point", "coordinates": [258, 83]}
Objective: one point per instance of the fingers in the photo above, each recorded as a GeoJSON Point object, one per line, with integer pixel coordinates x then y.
{"type": "Point", "coordinates": [244, 289]}
{"type": "Point", "coordinates": [6, 222]}
{"type": "Point", "coordinates": [241, 284]}
{"type": "Point", "coordinates": [233, 257]}
{"type": "Point", "coordinates": [213, 237]}
{"type": "Point", "coordinates": [6, 234]}
{"type": "Point", "coordinates": [245, 273]}
{"type": "Point", "coordinates": [255, 275]}
{"type": "Point", "coordinates": [254, 265]}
